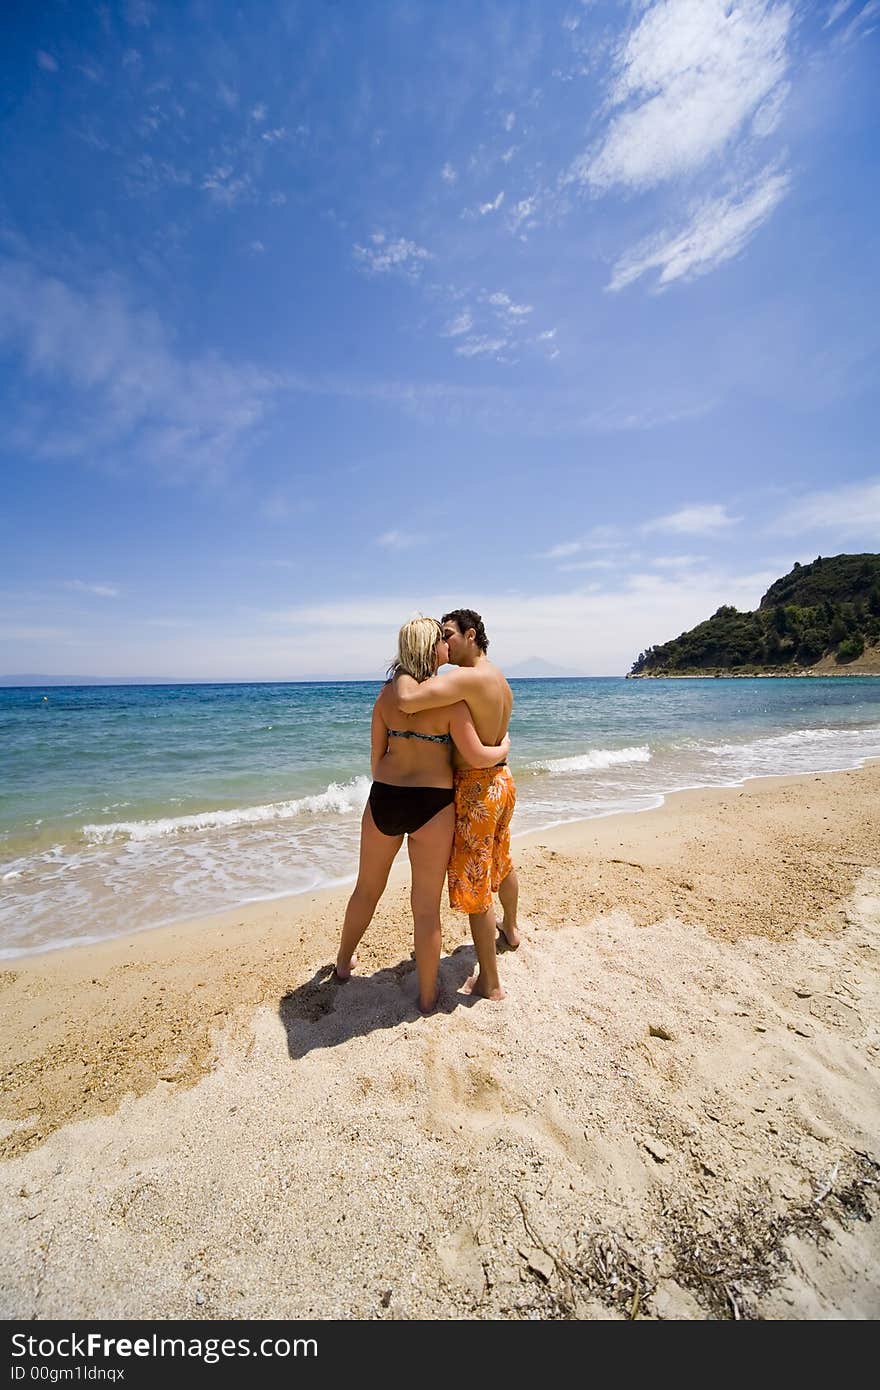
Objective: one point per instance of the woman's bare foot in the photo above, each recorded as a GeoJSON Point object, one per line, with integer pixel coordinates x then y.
{"type": "Point", "coordinates": [343, 969]}
{"type": "Point", "coordinates": [511, 935]}
{"type": "Point", "coordinates": [475, 985]}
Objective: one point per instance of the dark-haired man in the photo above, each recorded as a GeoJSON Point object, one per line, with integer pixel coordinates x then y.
{"type": "Point", "coordinates": [484, 798]}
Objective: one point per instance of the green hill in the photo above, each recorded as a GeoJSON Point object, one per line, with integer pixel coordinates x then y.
{"type": "Point", "coordinates": [825, 614]}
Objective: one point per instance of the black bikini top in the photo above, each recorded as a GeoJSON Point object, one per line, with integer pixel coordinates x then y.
{"type": "Point", "coordinates": [428, 738]}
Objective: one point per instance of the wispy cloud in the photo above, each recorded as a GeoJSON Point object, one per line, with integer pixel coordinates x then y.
{"type": "Point", "coordinates": [397, 255]}
{"type": "Point", "coordinates": [503, 302]}
{"type": "Point", "coordinates": [139, 13]}
{"type": "Point", "coordinates": [851, 510]}
{"type": "Point", "coordinates": [864, 23]}
{"type": "Point", "coordinates": [448, 174]}
{"type": "Point", "coordinates": [483, 209]}
{"type": "Point", "coordinates": [838, 9]}
{"type": "Point", "coordinates": [127, 394]}
{"type": "Point", "coordinates": [399, 540]}
{"type": "Point", "coordinates": [578, 566]}
{"type": "Point", "coordinates": [561, 551]}
{"type": "Point", "coordinates": [521, 217]}
{"type": "Point", "coordinates": [677, 562]}
{"type": "Point", "coordinates": [603, 538]}
{"type": "Point", "coordinates": [46, 61]}
{"type": "Point", "coordinates": [689, 76]}
{"type": "Point", "coordinates": [462, 323]}
{"type": "Point", "coordinates": [717, 231]}
{"type": "Point", "coordinates": [705, 520]}
{"type": "Point", "coordinates": [225, 186]}
{"type": "Point", "coordinates": [99, 590]}
{"type": "Point", "coordinates": [481, 346]}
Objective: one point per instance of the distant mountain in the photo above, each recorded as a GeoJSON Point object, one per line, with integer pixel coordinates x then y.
{"type": "Point", "coordinates": [821, 618]}
{"type": "Point", "coordinates": [534, 668]}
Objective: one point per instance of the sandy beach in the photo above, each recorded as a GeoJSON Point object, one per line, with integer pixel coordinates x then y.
{"type": "Point", "coordinates": [675, 1112]}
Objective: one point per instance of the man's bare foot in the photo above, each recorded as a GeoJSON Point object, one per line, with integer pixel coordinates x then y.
{"type": "Point", "coordinates": [475, 985]}
{"type": "Point", "coordinates": [511, 935]}
{"type": "Point", "coordinates": [343, 970]}
{"type": "Point", "coordinates": [429, 1008]}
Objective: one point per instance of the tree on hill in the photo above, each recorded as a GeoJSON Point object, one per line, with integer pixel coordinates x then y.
{"type": "Point", "coordinates": [831, 606]}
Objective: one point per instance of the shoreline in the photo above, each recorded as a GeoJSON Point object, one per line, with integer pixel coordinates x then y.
{"type": "Point", "coordinates": [742, 675]}
{"type": "Point", "coordinates": [341, 886]}
{"type": "Point", "coordinates": [182, 1103]}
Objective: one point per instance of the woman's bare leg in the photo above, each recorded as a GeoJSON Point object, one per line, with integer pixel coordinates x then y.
{"type": "Point", "coordinates": [429, 850]}
{"type": "Point", "coordinates": [377, 856]}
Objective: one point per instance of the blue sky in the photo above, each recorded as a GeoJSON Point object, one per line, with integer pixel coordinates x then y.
{"type": "Point", "coordinates": [313, 316]}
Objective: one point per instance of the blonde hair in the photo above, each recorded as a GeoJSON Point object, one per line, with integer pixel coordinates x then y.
{"type": "Point", "coordinates": [415, 649]}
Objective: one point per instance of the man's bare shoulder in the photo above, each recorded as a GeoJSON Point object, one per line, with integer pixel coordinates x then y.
{"type": "Point", "coordinates": [496, 674]}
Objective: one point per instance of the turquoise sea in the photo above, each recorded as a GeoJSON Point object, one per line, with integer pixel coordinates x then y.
{"type": "Point", "coordinates": [124, 807]}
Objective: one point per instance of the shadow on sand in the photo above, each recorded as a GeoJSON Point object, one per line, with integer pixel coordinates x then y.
{"type": "Point", "coordinates": [325, 1012]}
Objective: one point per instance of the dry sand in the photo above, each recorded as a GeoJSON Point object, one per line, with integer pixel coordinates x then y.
{"type": "Point", "coordinates": [675, 1112]}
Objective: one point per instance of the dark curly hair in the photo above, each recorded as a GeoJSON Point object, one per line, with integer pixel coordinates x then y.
{"type": "Point", "coordinates": [465, 618]}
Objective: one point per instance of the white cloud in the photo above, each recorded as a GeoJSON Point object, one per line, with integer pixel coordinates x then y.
{"type": "Point", "coordinates": [600, 631]}
{"type": "Point", "coordinates": [462, 323]}
{"type": "Point", "coordinates": [837, 10]}
{"type": "Point", "coordinates": [509, 120]}
{"type": "Point", "coordinates": [100, 590]}
{"type": "Point", "coordinates": [508, 154]}
{"type": "Point", "coordinates": [258, 112]}
{"type": "Point", "coordinates": [272, 136]}
{"type": "Point", "coordinates": [851, 510]}
{"type": "Point", "coordinates": [547, 336]}
{"type": "Point", "coordinates": [485, 208]}
{"type": "Point", "coordinates": [688, 77]}
{"type": "Point", "coordinates": [717, 231]}
{"type": "Point", "coordinates": [700, 520]}
{"type": "Point", "coordinates": [384, 256]}
{"type": "Point", "coordinates": [448, 174]}
{"type": "Point", "coordinates": [399, 540]}
{"type": "Point", "coordinates": [46, 61]}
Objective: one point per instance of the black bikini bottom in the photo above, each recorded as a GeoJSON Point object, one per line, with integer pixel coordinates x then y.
{"type": "Point", "coordinates": [403, 810]}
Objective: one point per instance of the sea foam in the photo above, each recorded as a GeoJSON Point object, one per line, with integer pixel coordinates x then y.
{"type": "Point", "coordinates": [335, 799]}
{"type": "Point", "coordinates": [595, 760]}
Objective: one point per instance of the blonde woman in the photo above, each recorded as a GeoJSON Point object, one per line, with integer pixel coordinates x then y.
{"type": "Point", "coordinates": [412, 797]}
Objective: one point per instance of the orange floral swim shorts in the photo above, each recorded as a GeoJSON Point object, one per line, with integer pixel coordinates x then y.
{"type": "Point", "coordinates": [484, 802]}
